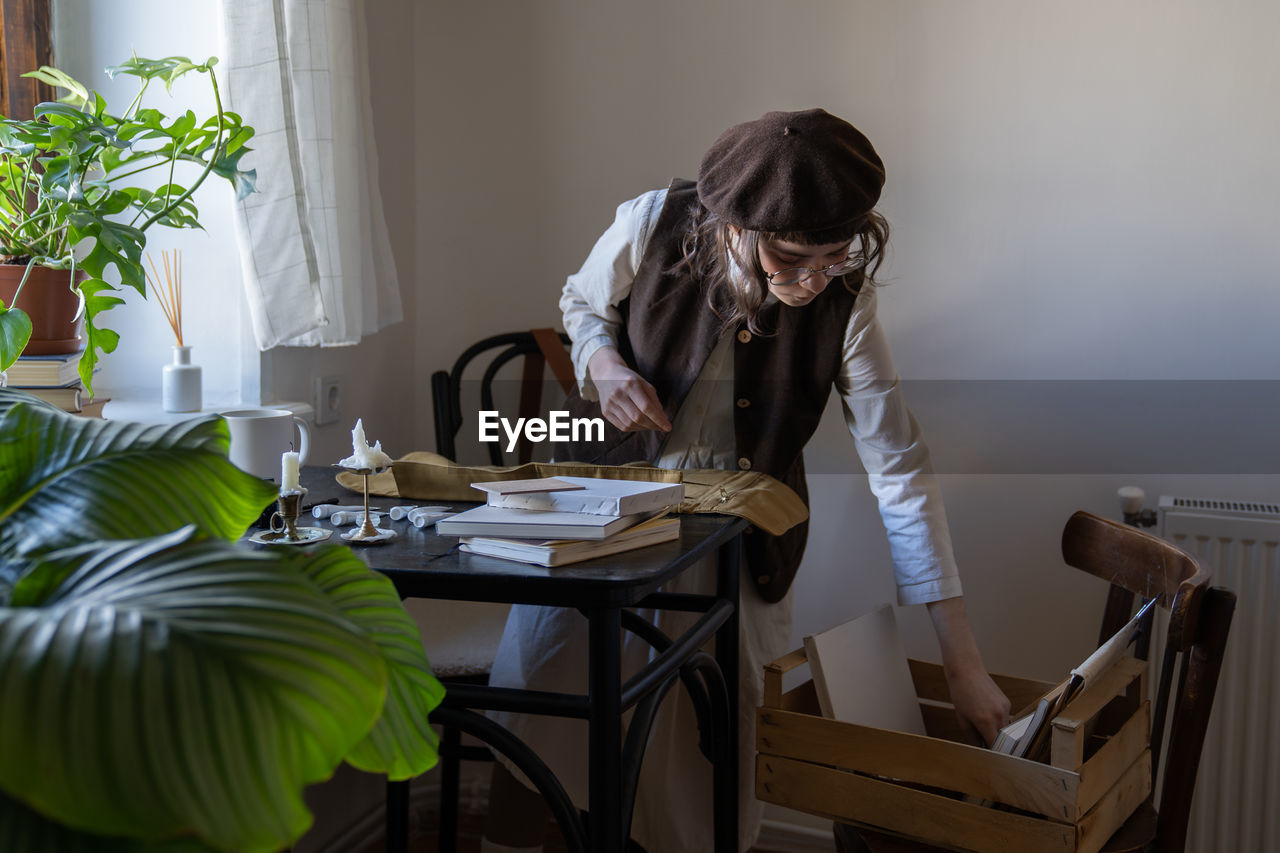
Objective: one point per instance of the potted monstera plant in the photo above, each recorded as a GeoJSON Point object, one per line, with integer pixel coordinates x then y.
{"type": "Point", "coordinates": [166, 688]}
{"type": "Point", "coordinates": [80, 187]}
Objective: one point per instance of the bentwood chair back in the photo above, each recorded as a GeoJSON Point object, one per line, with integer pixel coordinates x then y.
{"type": "Point", "coordinates": [539, 349]}
{"type": "Point", "coordinates": [1138, 564]}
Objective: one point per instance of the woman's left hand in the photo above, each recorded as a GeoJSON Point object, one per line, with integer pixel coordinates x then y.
{"type": "Point", "coordinates": [980, 705]}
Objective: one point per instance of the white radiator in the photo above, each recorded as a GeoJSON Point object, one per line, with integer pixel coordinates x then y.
{"type": "Point", "coordinates": [1237, 797]}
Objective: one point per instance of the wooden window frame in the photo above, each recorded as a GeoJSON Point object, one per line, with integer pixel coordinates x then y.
{"type": "Point", "coordinates": [25, 45]}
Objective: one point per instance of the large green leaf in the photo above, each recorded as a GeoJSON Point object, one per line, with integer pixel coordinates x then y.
{"type": "Point", "coordinates": [148, 679]}
{"type": "Point", "coordinates": [402, 744]}
{"type": "Point", "coordinates": [15, 331]}
{"type": "Point", "coordinates": [163, 687]}
{"type": "Point", "coordinates": [65, 479]}
{"type": "Point", "coordinates": [22, 829]}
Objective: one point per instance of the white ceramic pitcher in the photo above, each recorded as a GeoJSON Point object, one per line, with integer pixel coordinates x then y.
{"type": "Point", "coordinates": [260, 436]}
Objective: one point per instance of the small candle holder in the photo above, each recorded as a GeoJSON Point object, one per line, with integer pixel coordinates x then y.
{"type": "Point", "coordinates": [366, 533]}
{"type": "Point", "coordinates": [288, 508]}
{"type": "Point", "coordinates": [283, 526]}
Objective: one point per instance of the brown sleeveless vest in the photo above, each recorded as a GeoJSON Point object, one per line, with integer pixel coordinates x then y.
{"type": "Point", "coordinates": [781, 382]}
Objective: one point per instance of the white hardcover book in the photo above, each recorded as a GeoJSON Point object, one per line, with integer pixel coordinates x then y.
{"type": "Point", "coordinates": [592, 495]}
{"type": "Point", "coordinates": [560, 552]}
{"type": "Point", "coordinates": [534, 524]}
{"type": "Point", "coordinates": [861, 675]}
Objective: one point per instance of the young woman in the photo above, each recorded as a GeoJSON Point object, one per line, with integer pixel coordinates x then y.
{"type": "Point", "coordinates": [710, 323]}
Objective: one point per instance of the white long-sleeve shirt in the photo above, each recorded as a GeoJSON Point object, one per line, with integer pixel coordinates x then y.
{"type": "Point", "coordinates": [886, 436]}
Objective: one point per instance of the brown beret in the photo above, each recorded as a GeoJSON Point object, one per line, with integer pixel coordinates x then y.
{"type": "Point", "coordinates": [791, 172]}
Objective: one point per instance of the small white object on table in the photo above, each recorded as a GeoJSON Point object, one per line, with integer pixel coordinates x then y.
{"type": "Point", "coordinates": [288, 472]}
{"type": "Point", "coordinates": [363, 456]}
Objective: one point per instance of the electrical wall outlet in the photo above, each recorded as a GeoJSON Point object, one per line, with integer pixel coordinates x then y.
{"type": "Point", "coordinates": [328, 399]}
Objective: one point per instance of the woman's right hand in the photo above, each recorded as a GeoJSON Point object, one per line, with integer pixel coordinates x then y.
{"type": "Point", "coordinates": [626, 400]}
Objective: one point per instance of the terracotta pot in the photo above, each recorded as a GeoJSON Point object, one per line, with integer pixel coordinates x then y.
{"type": "Point", "coordinates": [49, 301]}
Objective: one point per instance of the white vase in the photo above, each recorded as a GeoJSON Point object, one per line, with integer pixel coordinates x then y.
{"type": "Point", "coordinates": [180, 388]}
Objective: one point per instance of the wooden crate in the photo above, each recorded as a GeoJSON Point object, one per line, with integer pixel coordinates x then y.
{"type": "Point", "coordinates": [941, 791]}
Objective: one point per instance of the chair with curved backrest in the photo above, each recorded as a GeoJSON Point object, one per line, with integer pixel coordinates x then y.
{"type": "Point", "coordinates": [1138, 564]}
{"type": "Point", "coordinates": [539, 348]}
{"type": "Point", "coordinates": [462, 638]}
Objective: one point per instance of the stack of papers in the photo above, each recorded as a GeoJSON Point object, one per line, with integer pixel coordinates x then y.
{"type": "Point", "coordinates": [553, 521]}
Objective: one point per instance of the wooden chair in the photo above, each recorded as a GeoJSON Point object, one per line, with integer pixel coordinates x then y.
{"type": "Point", "coordinates": [539, 348]}
{"type": "Point", "coordinates": [1136, 563]}
{"type": "Point", "coordinates": [461, 643]}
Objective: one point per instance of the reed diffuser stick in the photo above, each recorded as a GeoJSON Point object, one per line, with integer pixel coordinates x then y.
{"type": "Point", "coordinates": [170, 296]}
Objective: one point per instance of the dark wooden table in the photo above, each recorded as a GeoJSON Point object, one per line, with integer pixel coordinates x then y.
{"type": "Point", "coordinates": [422, 564]}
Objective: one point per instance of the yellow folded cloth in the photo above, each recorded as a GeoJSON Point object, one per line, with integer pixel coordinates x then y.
{"type": "Point", "coordinates": [759, 498]}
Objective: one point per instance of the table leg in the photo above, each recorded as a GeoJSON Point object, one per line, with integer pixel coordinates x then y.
{"type": "Point", "coordinates": [605, 741]}
{"type": "Point", "coordinates": [725, 806]}
{"type": "Point", "coordinates": [450, 777]}
{"type": "Point", "coordinates": [397, 825]}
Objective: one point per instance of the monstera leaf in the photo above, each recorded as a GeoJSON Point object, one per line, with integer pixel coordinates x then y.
{"type": "Point", "coordinates": [173, 691]}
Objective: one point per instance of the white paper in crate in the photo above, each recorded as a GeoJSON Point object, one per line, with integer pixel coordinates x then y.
{"type": "Point", "coordinates": [861, 676]}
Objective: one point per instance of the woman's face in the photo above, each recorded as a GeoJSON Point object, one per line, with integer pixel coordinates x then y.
{"type": "Point", "coordinates": [778, 255]}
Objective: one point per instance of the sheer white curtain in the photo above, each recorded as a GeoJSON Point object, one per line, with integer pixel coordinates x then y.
{"type": "Point", "coordinates": [313, 242]}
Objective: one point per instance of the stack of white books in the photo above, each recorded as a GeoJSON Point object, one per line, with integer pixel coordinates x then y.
{"type": "Point", "coordinates": [553, 521]}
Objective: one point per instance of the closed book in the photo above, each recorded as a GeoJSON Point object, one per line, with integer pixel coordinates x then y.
{"type": "Point", "coordinates": [67, 399]}
{"type": "Point", "coordinates": [593, 495]}
{"type": "Point", "coordinates": [560, 552]}
{"type": "Point", "coordinates": [46, 370]}
{"type": "Point", "coordinates": [93, 409]}
{"type": "Point", "coordinates": [534, 524]}
{"type": "Point", "coordinates": [1016, 738]}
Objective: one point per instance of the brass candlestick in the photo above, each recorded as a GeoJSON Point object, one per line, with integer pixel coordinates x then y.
{"type": "Point", "coordinates": [288, 508]}
{"type": "Point", "coordinates": [283, 524]}
{"type": "Point", "coordinates": [367, 533]}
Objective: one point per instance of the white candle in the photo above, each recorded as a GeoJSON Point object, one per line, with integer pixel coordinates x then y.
{"type": "Point", "coordinates": [362, 455]}
{"type": "Point", "coordinates": [288, 471]}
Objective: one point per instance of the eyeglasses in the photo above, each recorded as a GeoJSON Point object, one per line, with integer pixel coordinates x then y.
{"type": "Point", "coordinates": [795, 275]}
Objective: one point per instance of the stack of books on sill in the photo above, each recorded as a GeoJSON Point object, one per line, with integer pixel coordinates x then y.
{"type": "Point", "coordinates": [554, 521]}
{"type": "Point", "coordinates": [56, 380]}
